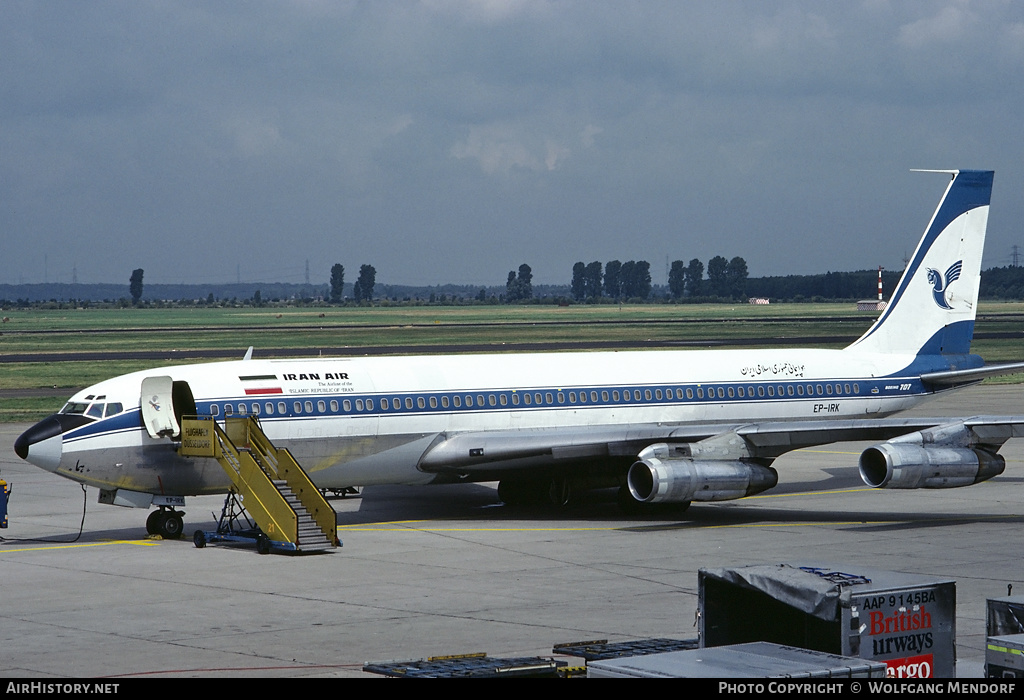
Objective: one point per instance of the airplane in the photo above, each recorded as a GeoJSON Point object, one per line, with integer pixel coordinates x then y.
{"type": "Point", "coordinates": [665, 427]}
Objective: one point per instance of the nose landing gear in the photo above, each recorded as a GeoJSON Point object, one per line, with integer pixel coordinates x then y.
{"type": "Point", "coordinates": [165, 522]}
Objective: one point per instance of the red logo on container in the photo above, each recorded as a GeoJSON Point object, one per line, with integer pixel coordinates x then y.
{"type": "Point", "coordinates": [910, 667]}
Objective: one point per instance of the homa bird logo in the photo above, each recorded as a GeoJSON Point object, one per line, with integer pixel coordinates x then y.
{"type": "Point", "coordinates": [941, 283]}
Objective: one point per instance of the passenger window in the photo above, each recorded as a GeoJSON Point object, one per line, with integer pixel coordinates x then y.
{"type": "Point", "coordinates": [433, 402]}
{"type": "Point", "coordinates": [689, 393]}
{"type": "Point", "coordinates": [359, 404]}
{"type": "Point", "coordinates": [282, 407]}
{"type": "Point", "coordinates": [269, 408]}
{"type": "Point", "coordinates": [420, 403]}
{"type": "Point", "coordinates": [657, 394]}
{"type": "Point", "coordinates": [228, 410]}
{"type": "Point", "coordinates": [548, 397]}
{"type": "Point", "coordinates": [321, 406]}
{"type": "Point", "coordinates": [214, 410]}
{"type": "Point", "coordinates": [241, 409]}
{"type": "Point", "coordinates": [457, 401]}
{"type": "Point", "coordinates": [309, 407]}
{"type": "Point", "coordinates": [255, 409]}
{"type": "Point", "coordinates": [527, 399]}
{"type": "Point", "coordinates": [396, 403]}
{"type": "Point", "coordinates": [346, 404]}
{"type": "Point", "coordinates": [334, 406]}
{"type": "Point", "coordinates": [503, 399]}
{"type": "Point", "coordinates": [408, 403]}
{"type": "Point", "coordinates": [444, 402]}
{"type": "Point", "coordinates": [732, 393]}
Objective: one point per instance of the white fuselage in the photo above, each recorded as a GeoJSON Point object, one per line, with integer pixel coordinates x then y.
{"type": "Point", "coordinates": [366, 421]}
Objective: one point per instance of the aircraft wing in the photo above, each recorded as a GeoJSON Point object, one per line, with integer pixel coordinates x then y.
{"type": "Point", "coordinates": [482, 454]}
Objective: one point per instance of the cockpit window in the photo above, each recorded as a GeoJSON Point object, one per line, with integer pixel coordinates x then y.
{"type": "Point", "coordinates": [94, 410]}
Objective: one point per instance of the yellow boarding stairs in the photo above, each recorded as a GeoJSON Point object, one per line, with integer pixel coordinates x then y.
{"type": "Point", "coordinates": [277, 493]}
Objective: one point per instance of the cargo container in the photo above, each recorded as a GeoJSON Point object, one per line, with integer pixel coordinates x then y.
{"type": "Point", "coordinates": [906, 621]}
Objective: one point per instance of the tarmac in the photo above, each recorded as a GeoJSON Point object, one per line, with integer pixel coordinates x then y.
{"type": "Point", "coordinates": [427, 571]}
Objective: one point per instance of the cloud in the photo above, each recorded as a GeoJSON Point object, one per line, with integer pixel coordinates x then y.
{"type": "Point", "coordinates": [949, 25]}
{"type": "Point", "coordinates": [499, 148]}
{"type": "Point", "coordinates": [588, 134]}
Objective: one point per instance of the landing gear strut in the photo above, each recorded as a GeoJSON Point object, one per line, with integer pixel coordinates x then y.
{"type": "Point", "coordinates": [165, 522]}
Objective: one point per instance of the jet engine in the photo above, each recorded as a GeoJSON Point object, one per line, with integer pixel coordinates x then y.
{"type": "Point", "coordinates": [659, 477]}
{"type": "Point", "coordinates": [893, 465]}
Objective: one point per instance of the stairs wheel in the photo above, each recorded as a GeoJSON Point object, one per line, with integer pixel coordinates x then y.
{"type": "Point", "coordinates": [262, 544]}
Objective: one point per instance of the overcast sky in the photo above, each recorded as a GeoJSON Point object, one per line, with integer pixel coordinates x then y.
{"type": "Point", "coordinates": [452, 140]}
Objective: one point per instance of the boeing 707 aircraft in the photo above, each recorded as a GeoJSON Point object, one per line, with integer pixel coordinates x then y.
{"type": "Point", "coordinates": [665, 426]}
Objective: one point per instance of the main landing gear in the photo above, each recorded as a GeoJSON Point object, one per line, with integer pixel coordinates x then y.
{"type": "Point", "coordinates": [166, 522]}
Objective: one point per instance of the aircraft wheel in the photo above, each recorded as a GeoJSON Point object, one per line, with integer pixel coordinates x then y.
{"type": "Point", "coordinates": [262, 544]}
{"type": "Point", "coordinates": [511, 492]}
{"type": "Point", "coordinates": [172, 526]}
{"type": "Point", "coordinates": [560, 493]}
{"type": "Point", "coordinates": [154, 522]}
{"type": "Point", "coordinates": [199, 539]}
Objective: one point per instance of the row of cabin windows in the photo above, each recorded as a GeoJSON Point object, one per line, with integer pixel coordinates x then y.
{"type": "Point", "coordinates": [540, 398]}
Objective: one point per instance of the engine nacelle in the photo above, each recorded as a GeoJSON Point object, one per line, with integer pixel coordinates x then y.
{"type": "Point", "coordinates": [661, 480]}
{"type": "Point", "coordinates": [893, 465]}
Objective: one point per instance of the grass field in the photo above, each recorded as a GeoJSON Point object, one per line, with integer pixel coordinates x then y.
{"type": "Point", "coordinates": [274, 331]}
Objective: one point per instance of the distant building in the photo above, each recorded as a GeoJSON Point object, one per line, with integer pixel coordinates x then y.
{"type": "Point", "coordinates": [871, 305]}
{"type": "Point", "coordinates": [758, 301]}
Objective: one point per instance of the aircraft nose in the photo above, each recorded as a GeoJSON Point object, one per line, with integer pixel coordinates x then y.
{"type": "Point", "coordinates": [42, 444]}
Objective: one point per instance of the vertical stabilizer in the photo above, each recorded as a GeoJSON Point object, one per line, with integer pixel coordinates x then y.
{"type": "Point", "coordinates": [932, 310]}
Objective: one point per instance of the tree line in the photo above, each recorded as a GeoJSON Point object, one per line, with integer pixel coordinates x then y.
{"type": "Point", "coordinates": [632, 279]}
{"type": "Point", "coordinates": [614, 280]}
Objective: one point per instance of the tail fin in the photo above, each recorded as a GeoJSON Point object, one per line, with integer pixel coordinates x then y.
{"type": "Point", "coordinates": [933, 308]}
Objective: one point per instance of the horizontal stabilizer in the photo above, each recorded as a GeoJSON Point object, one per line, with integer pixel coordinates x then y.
{"type": "Point", "coordinates": [956, 377]}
